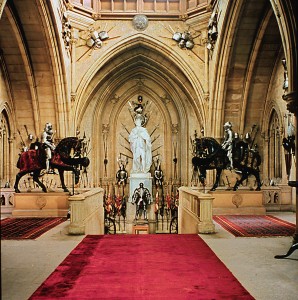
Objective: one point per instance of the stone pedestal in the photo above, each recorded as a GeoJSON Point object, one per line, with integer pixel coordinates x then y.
{"type": "Point", "coordinates": [140, 229]}
{"type": "Point", "coordinates": [40, 205]}
{"type": "Point", "coordinates": [241, 202]}
{"type": "Point", "coordinates": [131, 222]}
{"type": "Point", "coordinates": [134, 182]}
{"type": "Point", "coordinates": [7, 200]}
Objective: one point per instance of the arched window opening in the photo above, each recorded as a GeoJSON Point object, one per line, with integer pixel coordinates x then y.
{"type": "Point", "coordinates": [274, 149]}
{"type": "Point", "coordinates": [4, 149]}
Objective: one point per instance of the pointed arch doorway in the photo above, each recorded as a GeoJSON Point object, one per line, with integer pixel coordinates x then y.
{"type": "Point", "coordinates": [171, 93]}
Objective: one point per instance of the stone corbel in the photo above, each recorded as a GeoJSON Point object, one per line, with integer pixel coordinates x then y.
{"type": "Point", "coordinates": [291, 100]}
{"type": "Point", "coordinates": [68, 5]}
{"type": "Point", "coordinates": [115, 99]}
{"type": "Point", "coordinates": [206, 97]}
{"type": "Point", "coordinates": [175, 129]}
{"type": "Point", "coordinates": [165, 98]}
{"type": "Point", "coordinates": [265, 136]}
{"type": "Point", "coordinates": [73, 97]}
{"type": "Point", "coordinates": [96, 17]}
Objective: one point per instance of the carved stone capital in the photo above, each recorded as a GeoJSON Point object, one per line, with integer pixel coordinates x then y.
{"type": "Point", "coordinates": [265, 136]}
{"type": "Point", "coordinates": [291, 100]}
{"type": "Point", "coordinates": [96, 17]}
{"type": "Point", "coordinates": [204, 40]}
{"type": "Point", "coordinates": [206, 97]}
{"type": "Point", "coordinates": [175, 128]}
{"type": "Point", "coordinates": [165, 99]}
{"type": "Point", "coordinates": [73, 97]}
{"type": "Point", "coordinates": [105, 128]}
{"type": "Point", "coordinates": [115, 99]}
{"type": "Point", "coordinates": [69, 6]}
{"type": "Point", "coordinates": [184, 17]}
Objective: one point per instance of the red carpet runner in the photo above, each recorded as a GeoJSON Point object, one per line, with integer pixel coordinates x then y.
{"type": "Point", "coordinates": [255, 226]}
{"type": "Point", "coordinates": [142, 267]}
{"type": "Point", "coordinates": [27, 228]}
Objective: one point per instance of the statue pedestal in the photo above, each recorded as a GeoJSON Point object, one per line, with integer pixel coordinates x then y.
{"type": "Point", "coordinates": [134, 181]}
{"type": "Point", "coordinates": [140, 229]}
{"type": "Point", "coordinates": [134, 226]}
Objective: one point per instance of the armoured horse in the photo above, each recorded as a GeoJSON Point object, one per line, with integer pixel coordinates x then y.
{"type": "Point", "coordinates": [209, 155]}
{"type": "Point", "coordinates": [33, 161]}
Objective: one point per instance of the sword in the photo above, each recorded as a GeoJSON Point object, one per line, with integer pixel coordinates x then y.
{"type": "Point", "coordinates": [26, 130]}
{"type": "Point", "coordinates": [22, 141]}
{"type": "Point", "coordinates": [157, 148]}
{"type": "Point", "coordinates": [155, 139]}
{"type": "Point", "coordinates": [125, 128]}
{"type": "Point", "coordinates": [125, 138]}
{"type": "Point", "coordinates": [126, 148]}
{"type": "Point", "coordinates": [154, 129]}
{"type": "Point", "coordinates": [125, 155]}
{"type": "Point", "coordinates": [155, 155]}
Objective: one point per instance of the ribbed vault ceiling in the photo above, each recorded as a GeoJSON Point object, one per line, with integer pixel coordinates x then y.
{"type": "Point", "coordinates": [256, 47]}
{"type": "Point", "coordinates": [27, 60]}
{"type": "Point", "coordinates": [26, 54]}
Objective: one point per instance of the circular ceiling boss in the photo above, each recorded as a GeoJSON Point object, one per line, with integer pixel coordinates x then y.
{"type": "Point", "coordinates": [140, 22]}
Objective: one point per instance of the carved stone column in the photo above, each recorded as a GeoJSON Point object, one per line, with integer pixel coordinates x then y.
{"type": "Point", "coordinates": [73, 64]}
{"type": "Point", "coordinates": [11, 166]}
{"type": "Point", "coordinates": [175, 131]}
{"type": "Point", "coordinates": [292, 105]}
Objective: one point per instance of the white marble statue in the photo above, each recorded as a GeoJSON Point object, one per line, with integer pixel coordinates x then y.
{"type": "Point", "coordinates": [140, 144]}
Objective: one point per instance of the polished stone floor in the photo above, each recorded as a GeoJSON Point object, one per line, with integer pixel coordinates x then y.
{"type": "Point", "coordinates": [26, 264]}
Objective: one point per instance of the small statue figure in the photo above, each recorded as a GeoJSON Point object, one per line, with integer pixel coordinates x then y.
{"type": "Point", "coordinates": [121, 174]}
{"type": "Point", "coordinates": [227, 145]}
{"type": "Point", "coordinates": [289, 141]}
{"type": "Point", "coordinates": [158, 173]}
{"type": "Point", "coordinates": [142, 198]}
{"type": "Point", "coordinates": [141, 147]}
{"type": "Point", "coordinates": [48, 144]}
{"type": "Point", "coordinates": [286, 79]}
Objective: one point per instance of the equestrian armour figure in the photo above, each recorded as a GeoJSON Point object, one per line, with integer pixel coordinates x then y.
{"type": "Point", "coordinates": [48, 144]}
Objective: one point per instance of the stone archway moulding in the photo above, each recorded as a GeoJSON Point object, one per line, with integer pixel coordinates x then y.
{"type": "Point", "coordinates": [152, 45]}
{"type": "Point", "coordinates": [219, 79]}
{"type": "Point", "coordinates": [102, 90]}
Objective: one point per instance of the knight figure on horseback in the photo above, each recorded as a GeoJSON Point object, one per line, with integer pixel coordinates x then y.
{"type": "Point", "coordinates": [227, 145]}
{"type": "Point", "coordinates": [66, 156]}
{"type": "Point", "coordinates": [47, 144]}
{"type": "Point", "coordinates": [240, 155]}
